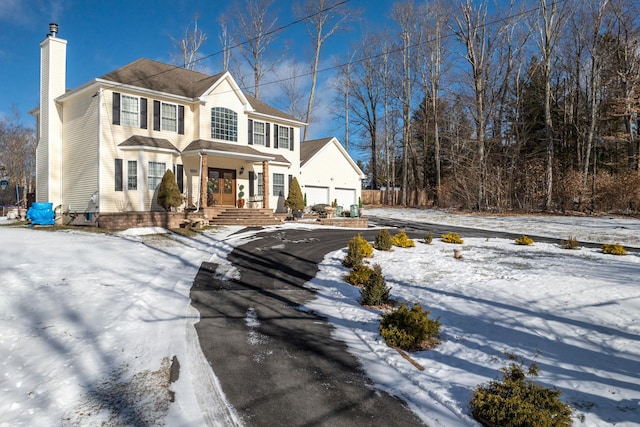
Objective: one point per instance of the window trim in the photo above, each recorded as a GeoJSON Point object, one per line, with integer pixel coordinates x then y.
{"type": "Point", "coordinates": [276, 193]}
{"type": "Point", "coordinates": [263, 134]}
{"type": "Point", "coordinates": [129, 117]}
{"type": "Point", "coordinates": [132, 185]}
{"type": "Point", "coordinates": [164, 119]}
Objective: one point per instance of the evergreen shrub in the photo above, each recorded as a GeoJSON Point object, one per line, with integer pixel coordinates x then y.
{"type": "Point", "coordinates": [452, 238]}
{"type": "Point", "coordinates": [359, 275]}
{"type": "Point", "coordinates": [383, 241]}
{"type": "Point", "coordinates": [295, 199]}
{"type": "Point", "coordinates": [168, 193]}
{"type": "Point", "coordinates": [357, 250]}
{"type": "Point", "coordinates": [519, 402]}
{"type": "Point", "coordinates": [375, 291]}
{"type": "Point", "coordinates": [411, 330]}
{"type": "Point", "coordinates": [613, 249]}
{"type": "Point", "coordinates": [401, 240]}
{"type": "Point", "coordinates": [524, 240]}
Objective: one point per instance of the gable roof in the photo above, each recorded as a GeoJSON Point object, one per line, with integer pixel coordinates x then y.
{"type": "Point", "coordinates": [160, 77]}
{"type": "Point", "coordinates": [310, 149]}
{"type": "Point", "coordinates": [267, 110]}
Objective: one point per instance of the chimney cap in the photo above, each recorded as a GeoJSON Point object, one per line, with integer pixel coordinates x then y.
{"type": "Point", "coordinates": [53, 29]}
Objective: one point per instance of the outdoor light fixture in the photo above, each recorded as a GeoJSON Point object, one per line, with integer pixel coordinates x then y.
{"type": "Point", "coordinates": [241, 170]}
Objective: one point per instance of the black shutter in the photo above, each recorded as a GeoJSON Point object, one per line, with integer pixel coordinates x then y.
{"type": "Point", "coordinates": [290, 179]}
{"type": "Point", "coordinates": [118, 175]}
{"type": "Point", "coordinates": [267, 128]}
{"type": "Point", "coordinates": [179, 177]}
{"type": "Point", "coordinates": [156, 115]}
{"type": "Point", "coordinates": [252, 178]}
{"type": "Point", "coordinates": [291, 139]}
{"type": "Point", "coordinates": [250, 135]}
{"type": "Point", "coordinates": [143, 113]}
{"type": "Point", "coordinates": [276, 130]}
{"type": "Point", "coordinates": [116, 108]}
{"type": "Point", "coordinates": [181, 120]}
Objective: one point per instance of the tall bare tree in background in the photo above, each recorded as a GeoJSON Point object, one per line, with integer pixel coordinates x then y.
{"type": "Point", "coordinates": [225, 43]}
{"type": "Point", "coordinates": [188, 46]}
{"type": "Point", "coordinates": [252, 31]}
{"type": "Point", "coordinates": [325, 18]}
{"type": "Point", "coordinates": [17, 155]}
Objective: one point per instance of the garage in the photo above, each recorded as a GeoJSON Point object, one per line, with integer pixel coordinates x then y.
{"type": "Point", "coordinates": [316, 195]}
{"type": "Point", "coordinates": [346, 197]}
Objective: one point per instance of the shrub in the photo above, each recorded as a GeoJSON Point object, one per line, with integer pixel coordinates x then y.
{"type": "Point", "coordinates": [401, 240]}
{"type": "Point", "coordinates": [571, 243]}
{"type": "Point", "coordinates": [295, 200]}
{"type": "Point", "coordinates": [428, 238]}
{"type": "Point", "coordinates": [382, 241]}
{"type": "Point", "coordinates": [613, 249]}
{"type": "Point", "coordinates": [452, 238]}
{"type": "Point", "coordinates": [359, 275]}
{"type": "Point", "coordinates": [524, 240]}
{"type": "Point", "coordinates": [375, 290]}
{"type": "Point", "coordinates": [357, 250]}
{"type": "Point", "coordinates": [168, 193]}
{"type": "Point", "coordinates": [519, 402]}
{"type": "Point", "coordinates": [411, 330]}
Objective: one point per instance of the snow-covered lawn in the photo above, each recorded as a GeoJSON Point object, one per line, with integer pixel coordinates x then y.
{"type": "Point", "coordinates": [89, 323]}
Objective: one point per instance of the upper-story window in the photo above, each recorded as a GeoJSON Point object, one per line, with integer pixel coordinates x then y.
{"type": "Point", "coordinates": [259, 133]}
{"type": "Point", "coordinates": [224, 124]}
{"type": "Point", "coordinates": [282, 134]}
{"type": "Point", "coordinates": [130, 110]}
{"type": "Point", "coordinates": [169, 117]}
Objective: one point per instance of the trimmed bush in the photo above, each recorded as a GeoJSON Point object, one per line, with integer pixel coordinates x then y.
{"type": "Point", "coordinates": [401, 240]}
{"type": "Point", "coordinates": [382, 241]}
{"type": "Point", "coordinates": [519, 402]}
{"type": "Point", "coordinates": [357, 250]}
{"type": "Point", "coordinates": [295, 200]}
{"type": "Point", "coordinates": [359, 275]}
{"type": "Point", "coordinates": [452, 238]}
{"type": "Point", "coordinates": [570, 243]}
{"type": "Point", "coordinates": [168, 193]}
{"type": "Point", "coordinates": [524, 240]}
{"type": "Point", "coordinates": [411, 330]}
{"type": "Point", "coordinates": [375, 291]}
{"type": "Point", "coordinates": [428, 238]}
{"type": "Point", "coordinates": [613, 249]}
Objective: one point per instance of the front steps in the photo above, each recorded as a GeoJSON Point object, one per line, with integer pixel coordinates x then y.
{"type": "Point", "coordinates": [243, 217]}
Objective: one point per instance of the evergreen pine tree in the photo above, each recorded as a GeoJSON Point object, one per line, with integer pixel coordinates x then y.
{"type": "Point", "coordinates": [169, 194]}
{"type": "Point", "coordinates": [295, 200]}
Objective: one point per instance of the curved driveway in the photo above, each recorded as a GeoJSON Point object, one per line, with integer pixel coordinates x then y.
{"type": "Point", "coordinates": [277, 364]}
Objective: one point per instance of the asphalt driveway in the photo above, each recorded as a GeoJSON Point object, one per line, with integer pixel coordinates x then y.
{"type": "Point", "coordinates": [277, 364]}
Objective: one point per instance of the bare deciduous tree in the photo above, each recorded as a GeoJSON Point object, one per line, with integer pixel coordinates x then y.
{"type": "Point", "coordinates": [17, 154]}
{"type": "Point", "coordinates": [188, 46]}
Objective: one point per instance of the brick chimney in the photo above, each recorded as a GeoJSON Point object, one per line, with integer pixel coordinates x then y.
{"type": "Point", "coordinates": [53, 58]}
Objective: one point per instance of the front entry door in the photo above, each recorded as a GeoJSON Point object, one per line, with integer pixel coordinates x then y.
{"type": "Point", "coordinates": [221, 187]}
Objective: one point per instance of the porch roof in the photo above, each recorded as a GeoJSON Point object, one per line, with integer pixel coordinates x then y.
{"type": "Point", "coordinates": [236, 151]}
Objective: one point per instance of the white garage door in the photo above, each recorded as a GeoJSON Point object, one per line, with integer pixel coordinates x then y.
{"type": "Point", "coordinates": [346, 197]}
{"type": "Point", "coordinates": [317, 195]}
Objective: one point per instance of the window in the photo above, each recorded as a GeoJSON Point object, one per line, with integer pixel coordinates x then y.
{"type": "Point", "coordinates": [258, 133]}
{"type": "Point", "coordinates": [156, 170]}
{"type": "Point", "coordinates": [260, 177]}
{"type": "Point", "coordinates": [169, 117]}
{"type": "Point", "coordinates": [278, 184]}
{"type": "Point", "coordinates": [132, 175]}
{"type": "Point", "coordinates": [224, 124]}
{"type": "Point", "coordinates": [129, 110]}
{"type": "Point", "coordinates": [283, 136]}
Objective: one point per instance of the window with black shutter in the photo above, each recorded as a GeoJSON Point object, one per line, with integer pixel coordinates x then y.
{"type": "Point", "coordinates": [156, 115]}
{"type": "Point", "coordinates": [181, 120]}
{"type": "Point", "coordinates": [179, 173]}
{"type": "Point", "coordinates": [116, 108]}
{"type": "Point", "coordinates": [252, 178]}
{"type": "Point", "coordinates": [143, 113]}
{"type": "Point", "coordinates": [291, 139]}
{"type": "Point", "coordinates": [118, 174]}
{"type": "Point", "coordinates": [250, 135]}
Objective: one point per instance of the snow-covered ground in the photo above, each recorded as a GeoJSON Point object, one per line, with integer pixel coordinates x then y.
{"type": "Point", "coordinates": [89, 323]}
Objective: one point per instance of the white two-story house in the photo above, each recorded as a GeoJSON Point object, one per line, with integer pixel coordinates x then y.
{"type": "Point", "coordinates": [103, 147]}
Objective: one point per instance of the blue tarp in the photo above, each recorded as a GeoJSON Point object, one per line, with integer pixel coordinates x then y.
{"type": "Point", "coordinates": [41, 213]}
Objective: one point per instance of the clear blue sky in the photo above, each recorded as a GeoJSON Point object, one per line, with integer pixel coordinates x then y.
{"type": "Point", "coordinates": [105, 35]}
